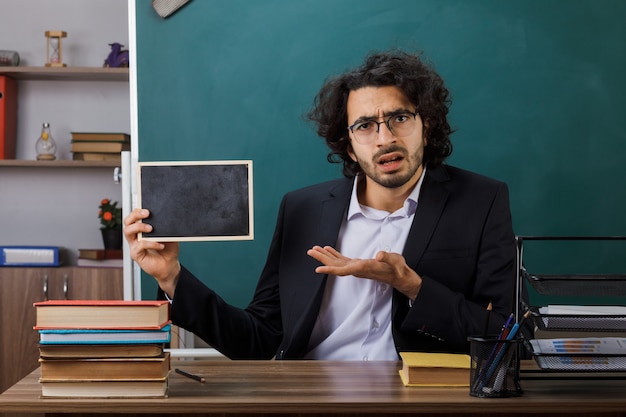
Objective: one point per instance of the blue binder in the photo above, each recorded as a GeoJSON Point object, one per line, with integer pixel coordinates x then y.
{"type": "Point", "coordinates": [29, 256]}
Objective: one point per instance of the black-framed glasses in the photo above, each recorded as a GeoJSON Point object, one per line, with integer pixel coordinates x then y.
{"type": "Point", "coordinates": [399, 124]}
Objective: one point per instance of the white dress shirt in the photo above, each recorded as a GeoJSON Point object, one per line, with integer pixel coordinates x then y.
{"type": "Point", "coordinates": [354, 322]}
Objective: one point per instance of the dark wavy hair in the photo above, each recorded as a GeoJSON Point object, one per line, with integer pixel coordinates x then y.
{"type": "Point", "coordinates": [419, 82]}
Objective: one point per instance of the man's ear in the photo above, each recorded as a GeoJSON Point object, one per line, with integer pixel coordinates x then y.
{"type": "Point", "coordinates": [351, 151]}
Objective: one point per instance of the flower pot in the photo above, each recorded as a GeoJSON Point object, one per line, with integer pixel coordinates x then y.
{"type": "Point", "coordinates": [112, 238]}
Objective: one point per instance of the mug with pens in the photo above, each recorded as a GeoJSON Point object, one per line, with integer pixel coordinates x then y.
{"type": "Point", "coordinates": [494, 368]}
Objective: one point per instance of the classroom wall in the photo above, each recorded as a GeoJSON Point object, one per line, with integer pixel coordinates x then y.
{"type": "Point", "coordinates": [538, 101]}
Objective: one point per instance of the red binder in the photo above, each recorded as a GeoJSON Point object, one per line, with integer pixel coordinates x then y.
{"type": "Point", "coordinates": [8, 117]}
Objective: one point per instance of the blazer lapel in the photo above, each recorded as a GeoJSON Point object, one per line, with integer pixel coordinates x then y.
{"type": "Point", "coordinates": [310, 289]}
{"type": "Point", "coordinates": [432, 200]}
{"type": "Point", "coordinates": [334, 209]}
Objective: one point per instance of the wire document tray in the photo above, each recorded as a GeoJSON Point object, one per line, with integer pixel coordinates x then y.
{"type": "Point", "coordinates": [578, 322]}
{"type": "Point", "coordinates": [578, 355]}
{"type": "Point", "coordinates": [578, 285]}
{"type": "Point", "coordinates": [598, 350]}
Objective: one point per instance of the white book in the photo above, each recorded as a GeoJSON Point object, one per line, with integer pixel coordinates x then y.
{"type": "Point", "coordinates": [100, 263]}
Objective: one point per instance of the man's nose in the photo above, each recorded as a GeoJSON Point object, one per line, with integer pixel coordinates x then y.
{"type": "Point", "coordinates": [384, 133]}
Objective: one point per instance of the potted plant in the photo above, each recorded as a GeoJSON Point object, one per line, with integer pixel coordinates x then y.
{"type": "Point", "coordinates": [110, 224]}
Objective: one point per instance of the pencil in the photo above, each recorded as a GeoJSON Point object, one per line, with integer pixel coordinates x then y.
{"type": "Point", "coordinates": [188, 375]}
{"type": "Point", "coordinates": [486, 330]}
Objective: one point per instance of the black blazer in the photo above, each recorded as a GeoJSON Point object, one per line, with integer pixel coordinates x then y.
{"type": "Point", "coordinates": [461, 242]}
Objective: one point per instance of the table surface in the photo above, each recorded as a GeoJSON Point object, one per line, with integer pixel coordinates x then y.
{"type": "Point", "coordinates": [322, 387]}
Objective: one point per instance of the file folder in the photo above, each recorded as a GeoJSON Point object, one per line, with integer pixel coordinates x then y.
{"type": "Point", "coordinates": [8, 117]}
{"type": "Point", "coordinates": [30, 256]}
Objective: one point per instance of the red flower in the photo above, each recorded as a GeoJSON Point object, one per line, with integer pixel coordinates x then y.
{"type": "Point", "coordinates": [110, 215]}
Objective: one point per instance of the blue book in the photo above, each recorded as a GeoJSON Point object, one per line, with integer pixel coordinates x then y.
{"type": "Point", "coordinates": [29, 256]}
{"type": "Point", "coordinates": [110, 337]}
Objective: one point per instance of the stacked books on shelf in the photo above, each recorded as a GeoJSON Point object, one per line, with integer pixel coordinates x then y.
{"type": "Point", "coordinates": [103, 348]}
{"type": "Point", "coordinates": [99, 146]}
{"type": "Point", "coordinates": [107, 258]}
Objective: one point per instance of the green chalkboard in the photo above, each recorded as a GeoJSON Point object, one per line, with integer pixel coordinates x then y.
{"type": "Point", "coordinates": [538, 87]}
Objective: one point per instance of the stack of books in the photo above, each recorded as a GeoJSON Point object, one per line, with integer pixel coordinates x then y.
{"type": "Point", "coordinates": [99, 146]}
{"type": "Point", "coordinates": [103, 348]}
{"type": "Point", "coordinates": [108, 258]}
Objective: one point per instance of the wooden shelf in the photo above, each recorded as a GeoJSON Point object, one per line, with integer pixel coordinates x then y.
{"type": "Point", "coordinates": [57, 164]}
{"type": "Point", "coordinates": [66, 74]}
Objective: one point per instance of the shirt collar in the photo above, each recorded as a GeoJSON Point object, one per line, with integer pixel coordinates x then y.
{"type": "Point", "coordinates": [408, 209]}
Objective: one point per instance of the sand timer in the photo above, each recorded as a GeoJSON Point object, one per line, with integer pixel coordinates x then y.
{"type": "Point", "coordinates": [54, 48]}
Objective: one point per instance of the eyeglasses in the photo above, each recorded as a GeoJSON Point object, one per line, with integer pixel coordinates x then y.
{"type": "Point", "coordinates": [400, 125]}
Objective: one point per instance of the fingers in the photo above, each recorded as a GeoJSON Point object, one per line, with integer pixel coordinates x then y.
{"type": "Point", "coordinates": [135, 216]}
{"type": "Point", "coordinates": [133, 224]}
{"type": "Point", "coordinates": [389, 257]}
{"type": "Point", "coordinates": [326, 255]}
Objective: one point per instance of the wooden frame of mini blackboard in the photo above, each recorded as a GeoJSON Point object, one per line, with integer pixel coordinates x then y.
{"type": "Point", "coordinates": [196, 200]}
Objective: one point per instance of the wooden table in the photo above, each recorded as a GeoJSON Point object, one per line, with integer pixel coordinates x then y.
{"type": "Point", "coordinates": [323, 388]}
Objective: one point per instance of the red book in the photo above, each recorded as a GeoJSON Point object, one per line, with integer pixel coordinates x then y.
{"type": "Point", "coordinates": [101, 314]}
{"type": "Point", "coordinates": [8, 117]}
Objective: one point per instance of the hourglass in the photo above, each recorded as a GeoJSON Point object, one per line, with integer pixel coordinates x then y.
{"type": "Point", "coordinates": [54, 50]}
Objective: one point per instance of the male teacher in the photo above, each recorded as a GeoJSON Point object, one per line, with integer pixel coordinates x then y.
{"type": "Point", "coordinates": [403, 254]}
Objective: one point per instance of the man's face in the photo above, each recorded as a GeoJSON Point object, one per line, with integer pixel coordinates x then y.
{"type": "Point", "coordinates": [388, 160]}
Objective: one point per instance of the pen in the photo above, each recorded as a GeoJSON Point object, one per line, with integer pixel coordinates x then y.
{"type": "Point", "coordinates": [506, 327]}
{"type": "Point", "coordinates": [188, 375]}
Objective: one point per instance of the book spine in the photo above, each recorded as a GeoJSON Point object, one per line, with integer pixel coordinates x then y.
{"type": "Point", "coordinates": [8, 117]}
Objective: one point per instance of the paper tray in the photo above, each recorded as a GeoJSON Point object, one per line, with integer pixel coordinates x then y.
{"type": "Point", "coordinates": [577, 362]}
{"type": "Point", "coordinates": [613, 285]}
{"type": "Point", "coordinates": [585, 323]}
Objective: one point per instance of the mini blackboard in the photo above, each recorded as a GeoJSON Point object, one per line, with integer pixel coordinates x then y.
{"type": "Point", "coordinates": [197, 200]}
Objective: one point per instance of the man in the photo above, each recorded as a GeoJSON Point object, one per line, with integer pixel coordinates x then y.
{"type": "Point", "coordinates": [404, 254]}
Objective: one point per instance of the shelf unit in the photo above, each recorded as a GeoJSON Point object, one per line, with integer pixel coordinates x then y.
{"type": "Point", "coordinates": [57, 164]}
{"type": "Point", "coordinates": [66, 73]}
{"type": "Point", "coordinates": [63, 74]}
{"type": "Point", "coordinates": [60, 177]}
{"type": "Point", "coordinates": [567, 364]}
